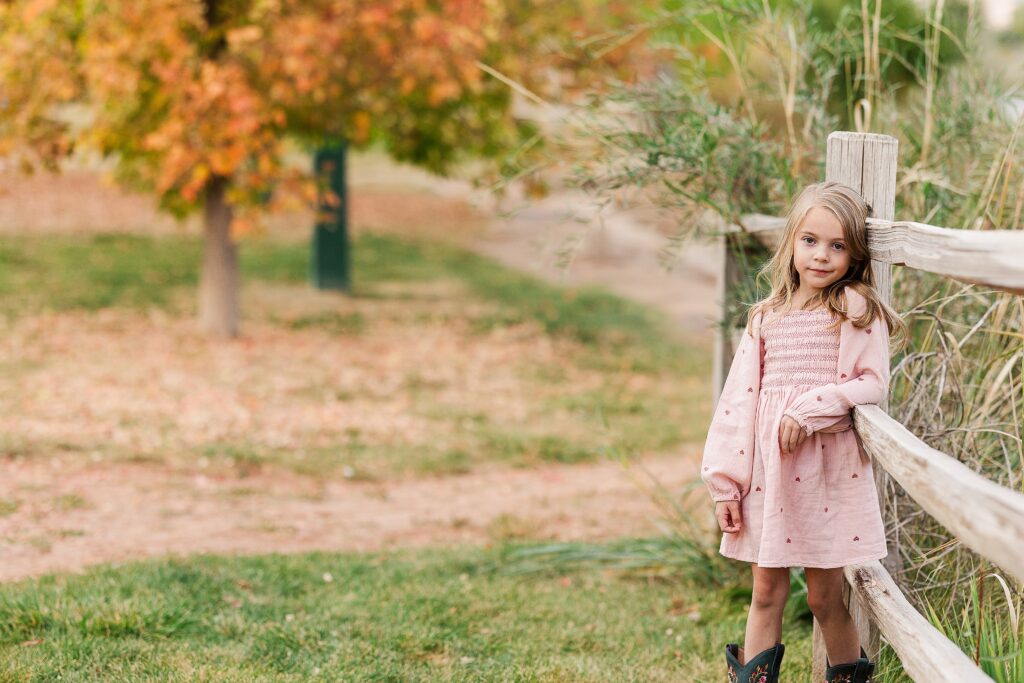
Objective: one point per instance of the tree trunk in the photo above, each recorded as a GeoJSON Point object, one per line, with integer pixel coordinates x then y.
{"type": "Point", "coordinates": [218, 282]}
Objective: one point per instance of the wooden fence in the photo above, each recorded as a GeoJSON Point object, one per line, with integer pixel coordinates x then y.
{"type": "Point", "coordinates": [984, 516]}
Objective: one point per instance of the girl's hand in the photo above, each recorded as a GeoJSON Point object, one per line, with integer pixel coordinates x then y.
{"type": "Point", "coordinates": [791, 434]}
{"type": "Point", "coordinates": [728, 514]}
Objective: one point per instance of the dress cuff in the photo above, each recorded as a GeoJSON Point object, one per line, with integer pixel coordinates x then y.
{"type": "Point", "coordinates": [801, 420]}
{"type": "Point", "coordinates": [723, 496]}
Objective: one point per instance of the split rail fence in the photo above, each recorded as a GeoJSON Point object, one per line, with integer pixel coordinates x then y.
{"type": "Point", "coordinates": [986, 517]}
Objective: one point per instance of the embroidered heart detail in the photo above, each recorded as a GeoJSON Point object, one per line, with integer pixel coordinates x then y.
{"type": "Point", "coordinates": [706, 468]}
{"type": "Point", "coordinates": [727, 412]}
{"type": "Point", "coordinates": [750, 389]}
{"type": "Point", "coordinates": [741, 451]}
{"type": "Point", "coordinates": [855, 475]}
{"type": "Point", "coordinates": [868, 330]}
{"type": "Point", "coordinates": [758, 488]}
{"type": "Point", "coordinates": [819, 398]}
{"type": "Point", "coordinates": [860, 379]}
{"type": "Point", "coordinates": [798, 478]}
{"type": "Point", "coordinates": [826, 509]}
{"type": "Point", "coordinates": [789, 540]}
{"type": "Point", "coordinates": [843, 376]}
{"type": "Point", "coordinates": [780, 509]}
{"type": "Point", "coordinates": [856, 538]}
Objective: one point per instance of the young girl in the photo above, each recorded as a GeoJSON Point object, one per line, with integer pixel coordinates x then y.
{"type": "Point", "coordinates": [791, 483]}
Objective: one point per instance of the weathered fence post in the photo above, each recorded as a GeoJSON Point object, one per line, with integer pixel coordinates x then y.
{"type": "Point", "coordinates": [738, 250]}
{"type": "Point", "coordinates": [867, 163]}
{"type": "Point", "coordinates": [725, 346]}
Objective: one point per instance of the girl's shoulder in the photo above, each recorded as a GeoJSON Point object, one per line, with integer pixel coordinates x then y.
{"type": "Point", "coordinates": [755, 318]}
{"type": "Point", "coordinates": [856, 303]}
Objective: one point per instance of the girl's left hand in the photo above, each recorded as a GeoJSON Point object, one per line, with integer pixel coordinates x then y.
{"type": "Point", "coordinates": [791, 434]}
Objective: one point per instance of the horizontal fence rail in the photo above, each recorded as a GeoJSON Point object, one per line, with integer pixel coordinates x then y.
{"type": "Point", "coordinates": [986, 517]}
{"type": "Point", "coordinates": [985, 257]}
{"type": "Point", "coordinates": [926, 654]}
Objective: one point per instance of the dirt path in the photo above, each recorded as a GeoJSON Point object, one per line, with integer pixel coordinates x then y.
{"type": "Point", "coordinates": [71, 513]}
{"type": "Point", "coordinates": [624, 250]}
{"type": "Point", "coordinates": [75, 514]}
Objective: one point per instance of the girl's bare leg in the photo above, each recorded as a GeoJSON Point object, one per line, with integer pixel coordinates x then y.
{"type": "Point", "coordinates": [825, 598]}
{"type": "Point", "coordinates": [764, 621]}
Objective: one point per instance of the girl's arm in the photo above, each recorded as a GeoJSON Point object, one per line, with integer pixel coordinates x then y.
{"type": "Point", "coordinates": [819, 408]}
{"type": "Point", "coordinates": [729, 449]}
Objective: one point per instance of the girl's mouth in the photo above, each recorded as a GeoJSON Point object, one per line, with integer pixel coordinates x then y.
{"type": "Point", "coordinates": [819, 272]}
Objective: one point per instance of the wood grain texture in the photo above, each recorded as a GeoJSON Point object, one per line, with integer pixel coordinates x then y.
{"type": "Point", "coordinates": [926, 654]}
{"type": "Point", "coordinates": [985, 257]}
{"type": "Point", "coordinates": [994, 258]}
{"type": "Point", "coordinates": [986, 517]}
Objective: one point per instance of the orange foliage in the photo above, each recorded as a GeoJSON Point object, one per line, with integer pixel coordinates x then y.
{"type": "Point", "coordinates": [182, 91]}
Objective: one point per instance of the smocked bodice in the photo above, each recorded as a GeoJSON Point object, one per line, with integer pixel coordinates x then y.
{"type": "Point", "coordinates": [800, 349]}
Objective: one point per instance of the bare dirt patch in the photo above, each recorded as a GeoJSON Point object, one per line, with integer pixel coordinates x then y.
{"type": "Point", "coordinates": [116, 385]}
{"type": "Point", "coordinates": [70, 514]}
{"type": "Point", "coordinates": [132, 435]}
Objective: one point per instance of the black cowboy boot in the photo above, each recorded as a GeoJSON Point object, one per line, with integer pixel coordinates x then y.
{"type": "Point", "coordinates": [853, 672]}
{"type": "Point", "coordinates": [764, 668]}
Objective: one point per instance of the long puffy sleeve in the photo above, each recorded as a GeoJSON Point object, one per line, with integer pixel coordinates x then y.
{"type": "Point", "coordinates": [864, 373]}
{"type": "Point", "coordinates": [729, 449]}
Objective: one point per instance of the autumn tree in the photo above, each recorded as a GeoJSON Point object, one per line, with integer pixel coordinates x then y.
{"type": "Point", "coordinates": [195, 99]}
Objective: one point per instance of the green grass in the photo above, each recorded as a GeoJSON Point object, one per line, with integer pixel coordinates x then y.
{"type": "Point", "coordinates": [91, 272]}
{"type": "Point", "coordinates": [453, 615]}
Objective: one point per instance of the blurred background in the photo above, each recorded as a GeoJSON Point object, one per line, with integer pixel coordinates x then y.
{"type": "Point", "coordinates": [371, 341]}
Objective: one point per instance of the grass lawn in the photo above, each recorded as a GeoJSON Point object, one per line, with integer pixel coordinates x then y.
{"type": "Point", "coordinates": [438, 361]}
{"type": "Point", "coordinates": [453, 615]}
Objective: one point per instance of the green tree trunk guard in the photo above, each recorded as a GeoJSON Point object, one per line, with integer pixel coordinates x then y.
{"type": "Point", "coordinates": [330, 257]}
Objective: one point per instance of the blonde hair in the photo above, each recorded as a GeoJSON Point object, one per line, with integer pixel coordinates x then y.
{"type": "Point", "coordinates": [852, 211]}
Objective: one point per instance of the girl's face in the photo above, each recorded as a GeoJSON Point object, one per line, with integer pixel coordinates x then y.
{"type": "Point", "coordinates": [820, 254]}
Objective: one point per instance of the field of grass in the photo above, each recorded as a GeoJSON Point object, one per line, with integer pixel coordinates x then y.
{"type": "Point", "coordinates": [91, 272]}
{"type": "Point", "coordinates": [455, 615]}
{"type": "Point", "coordinates": [485, 365]}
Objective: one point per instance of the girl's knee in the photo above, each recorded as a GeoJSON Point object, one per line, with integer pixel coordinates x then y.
{"type": "Point", "coordinates": [825, 593]}
{"type": "Point", "coordinates": [771, 590]}
{"type": "Point", "coordinates": [825, 602]}
{"type": "Point", "coordinates": [769, 601]}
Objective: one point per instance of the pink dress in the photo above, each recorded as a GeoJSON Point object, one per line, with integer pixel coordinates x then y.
{"type": "Point", "coordinates": [815, 507]}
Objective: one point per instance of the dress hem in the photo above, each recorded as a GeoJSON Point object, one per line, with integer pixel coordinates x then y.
{"type": "Point", "coordinates": [813, 565]}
